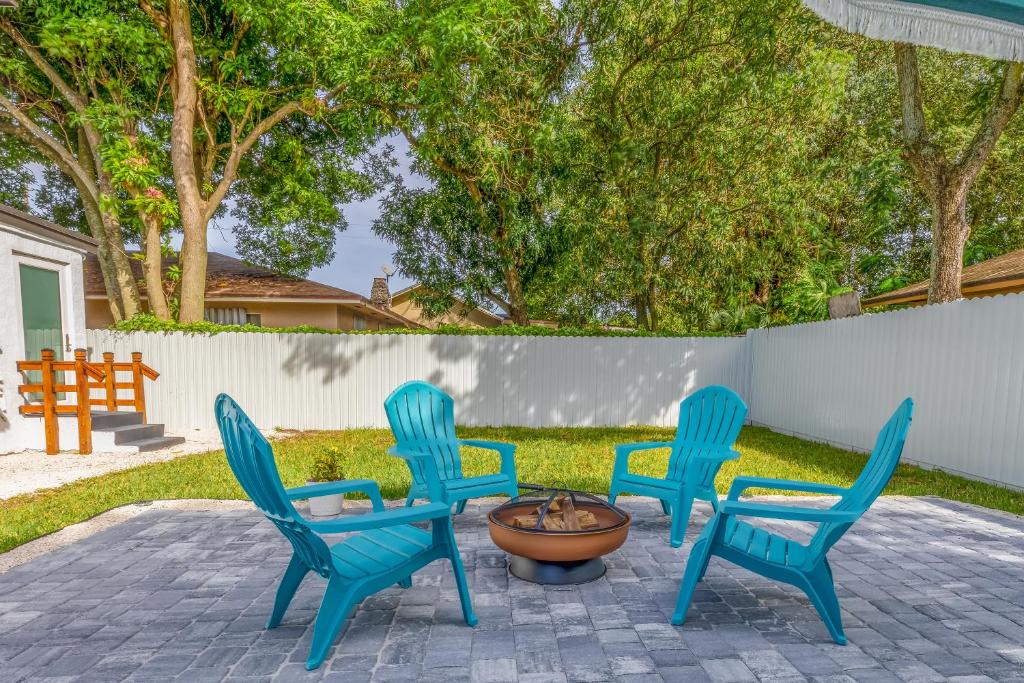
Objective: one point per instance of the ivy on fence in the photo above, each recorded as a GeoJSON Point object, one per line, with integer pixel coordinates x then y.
{"type": "Point", "coordinates": [150, 323]}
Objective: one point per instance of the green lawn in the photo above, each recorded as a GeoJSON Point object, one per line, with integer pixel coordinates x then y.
{"type": "Point", "coordinates": [576, 458]}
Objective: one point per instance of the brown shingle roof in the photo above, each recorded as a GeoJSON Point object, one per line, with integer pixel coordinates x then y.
{"type": "Point", "coordinates": [229, 278]}
{"type": "Point", "coordinates": [1007, 270]}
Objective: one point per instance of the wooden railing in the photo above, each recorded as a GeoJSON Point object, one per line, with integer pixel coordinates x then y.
{"type": "Point", "coordinates": [139, 370]}
{"type": "Point", "coordinates": [87, 376]}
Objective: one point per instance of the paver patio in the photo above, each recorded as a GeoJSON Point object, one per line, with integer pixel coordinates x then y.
{"type": "Point", "coordinates": [930, 590]}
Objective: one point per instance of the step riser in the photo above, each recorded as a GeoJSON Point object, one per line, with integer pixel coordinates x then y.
{"type": "Point", "coordinates": [138, 433]}
{"type": "Point", "coordinates": [157, 444]}
{"type": "Point", "coordinates": [110, 420]}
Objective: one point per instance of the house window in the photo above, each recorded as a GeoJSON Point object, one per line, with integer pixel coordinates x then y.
{"type": "Point", "coordinates": [358, 323]}
{"type": "Point", "coordinates": [254, 319]}
{"type": "Point", "coordinates": [225, 316]}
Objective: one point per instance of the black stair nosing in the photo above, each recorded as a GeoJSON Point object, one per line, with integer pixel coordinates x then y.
{"type": "Point", "coordinates": [155, 443]}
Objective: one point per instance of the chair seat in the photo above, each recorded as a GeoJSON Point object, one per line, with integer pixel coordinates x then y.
{"type": "Point", "coordinates": [763, 545]}
{"type": "Point", "coordinates": [379, 550]}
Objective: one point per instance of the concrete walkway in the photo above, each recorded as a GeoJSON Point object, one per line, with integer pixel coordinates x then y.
{"type": "Point", "coordinates": [931, 591]}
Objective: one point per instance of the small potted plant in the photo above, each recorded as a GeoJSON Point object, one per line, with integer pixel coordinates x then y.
{"type": "Point", "coordinates": [327, 467]}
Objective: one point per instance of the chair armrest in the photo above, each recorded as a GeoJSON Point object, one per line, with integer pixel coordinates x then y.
{"type": "Point", "coordinates": [367, 486]}
{"type": "Point", "coordinates": [740, 484]}
{"type": "Point", "coordinates": [426, 466]}
{"type": "Point", "coordinates": [376, 520]}
{"type": "Point", "coordinates": [502, 448]}
{"type": "Point", "coordinates": [643, 446]}
{"type": "Point", "coordinates": [507, 451]}
{"type": "Point", "coordinates": [790, 512]}
{"type": "Point", "coordinates": [622, 452]}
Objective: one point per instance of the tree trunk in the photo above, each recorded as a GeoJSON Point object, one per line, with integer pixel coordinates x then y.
{"type": "Point", "coordinates": [517, 309]}
{"type": "Point", "coordinates": [646, 313]}
{"type": "Point", "coordinates": [949, 236]}
{"type": "Point", "coordinates": [191, 203]}
{"type": "Point", "coordinates": [944, 182]}
{"type": "Point", "coordinates": [122, 268]}
{"type": "Point", "coordinates": [152, 266]}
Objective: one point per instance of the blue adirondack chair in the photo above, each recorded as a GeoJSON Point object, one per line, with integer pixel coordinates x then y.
{"type": "Point", "coordinates": [388, 550]}
{"type": "Point", "coordinates": [781, 559]}
{"type": "Point", "coordinates": [709, 422]}
{"type": "Point", "coordinates": [422, 418]}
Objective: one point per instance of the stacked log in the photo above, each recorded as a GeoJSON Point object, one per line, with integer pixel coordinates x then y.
{"type": "Point", "coordinates": [562, 515]}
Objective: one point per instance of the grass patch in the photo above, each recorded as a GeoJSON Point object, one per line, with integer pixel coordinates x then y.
{"type": "Point", "coordinates": [575, 458]}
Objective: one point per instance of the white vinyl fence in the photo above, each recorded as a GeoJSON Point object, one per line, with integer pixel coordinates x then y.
{"type": "Point", "coordinates": [325, 381]}
{"type": "Point", "coordinates": [962, 363]}
{"type": "Point", "coordinates": [834, 381]}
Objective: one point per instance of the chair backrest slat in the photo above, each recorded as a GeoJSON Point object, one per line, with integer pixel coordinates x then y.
{"type": "Point", "coordinates": [877, 472]}
{"type": "Point", "coordinates": [422, 418]}
{"type": "Point", "coordinates": [251, 459]}
{"type": "Point", "coordinates": [708, 418]}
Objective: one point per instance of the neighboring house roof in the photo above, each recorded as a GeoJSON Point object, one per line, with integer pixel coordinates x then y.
{"type": "Point", "coordinates": [408, 291]}
{"type": "Point", "coordinates": [230, 279]}
{"type": "Point", "coordinates": [996, 275]}
{"type": "Point", "coordinates": [46, 229]}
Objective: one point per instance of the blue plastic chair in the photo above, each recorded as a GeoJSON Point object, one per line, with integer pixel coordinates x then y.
{"type": "Point", "coordinates": [422, 418]}
{"type": "Point", "coordinates": [776, 557]}
{"type": "Point", "coordinates": [388, 550]}
{"type": "Point", "coordinates": [709, 422]}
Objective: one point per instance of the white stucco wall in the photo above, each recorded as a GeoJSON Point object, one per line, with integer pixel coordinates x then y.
{"type": "Point", "coordinates": [19, 246]}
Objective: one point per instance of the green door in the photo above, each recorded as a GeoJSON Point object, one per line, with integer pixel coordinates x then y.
{"type": "Point", "coordinates": [40, 311]}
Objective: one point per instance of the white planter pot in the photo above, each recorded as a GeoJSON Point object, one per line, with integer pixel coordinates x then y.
{"type": "Point", "coordinates": [326, 506]}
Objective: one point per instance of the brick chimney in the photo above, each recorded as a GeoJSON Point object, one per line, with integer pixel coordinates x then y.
{"type": "Point", "coordinates": [380, 295]}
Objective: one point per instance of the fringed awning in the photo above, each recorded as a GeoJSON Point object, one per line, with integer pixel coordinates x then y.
{"type": "Point", "coordinates": [988, 28]}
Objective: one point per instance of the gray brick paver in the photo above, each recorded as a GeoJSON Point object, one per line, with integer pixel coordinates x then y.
{"type": "Point", "coordinates": [926, 595]}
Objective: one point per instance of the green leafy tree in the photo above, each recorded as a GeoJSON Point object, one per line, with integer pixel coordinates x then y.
{"type": "Point", "coordinates": [476, 91]}
{"type": "Point", "coordinates": [255, 85]}
{"type": "Point", "coordinates": [692, 190]}
{"type": "Point", "coordinates": [73, 78]}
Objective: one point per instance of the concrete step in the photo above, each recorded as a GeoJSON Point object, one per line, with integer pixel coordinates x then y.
{"type": "Point", "coordinates": [105, 419]}
{"type": "Point", "coordinates": [126, 434]}
{"type": "Point", "coordinates": [155, 443]}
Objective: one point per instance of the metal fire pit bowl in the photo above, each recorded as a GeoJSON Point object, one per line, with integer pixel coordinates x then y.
{"type": "Point", "coordinates": [557, 557]}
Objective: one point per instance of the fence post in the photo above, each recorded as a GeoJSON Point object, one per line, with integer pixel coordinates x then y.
{"type": "Point", "coordinates": [110, 379]}
{"type": "Point", "coordinates": [83, 409]}
{"type": "Point", "coordinates": [137, 385]}
{"type": "Point", "coordinates": [49, 403]}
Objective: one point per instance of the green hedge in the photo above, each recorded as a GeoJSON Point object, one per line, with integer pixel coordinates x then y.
{"type": "Point", "coordinates": [150, 323]}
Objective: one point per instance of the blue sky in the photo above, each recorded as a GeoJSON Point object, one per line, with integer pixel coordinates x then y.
{"type": "Point", "coordinates": [358, 253]}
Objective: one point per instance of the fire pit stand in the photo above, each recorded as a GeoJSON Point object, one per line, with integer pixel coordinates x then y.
{"type": "Point", "coordinates": [557, 536]}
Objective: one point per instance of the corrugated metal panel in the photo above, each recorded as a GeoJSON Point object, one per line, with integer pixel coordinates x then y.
{"type": "Point", "coordinates": [834, 381]}
{"type": "Point", "coordinates": [323, 381]}
{"type": "Point", "coordinates": [837, 381]}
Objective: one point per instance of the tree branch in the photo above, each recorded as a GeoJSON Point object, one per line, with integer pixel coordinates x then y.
{"type": "Point", "coordinates": [926, 158]}
{"type": "Point", "coordinates": [37, 58]}
{"type": "Point", "coordinates": [241, 149]}
{"type": "Point", "coordinates": [999, 114]}
{"type": "Point", "coordinates": [42, 141]}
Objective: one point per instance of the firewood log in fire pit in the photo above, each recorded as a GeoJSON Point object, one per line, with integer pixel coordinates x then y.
{"type": "Point", "coordinates": [562, 515]}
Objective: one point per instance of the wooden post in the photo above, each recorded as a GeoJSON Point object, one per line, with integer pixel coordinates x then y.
{"type": "Point", "coordinates": [110, 380]}
{"type": "Point", "coordinates": [83, 408]}
{"type": "Point", "coordinates": [137, 385]}
{"type": "Point", "coordinates": [49, 403]}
